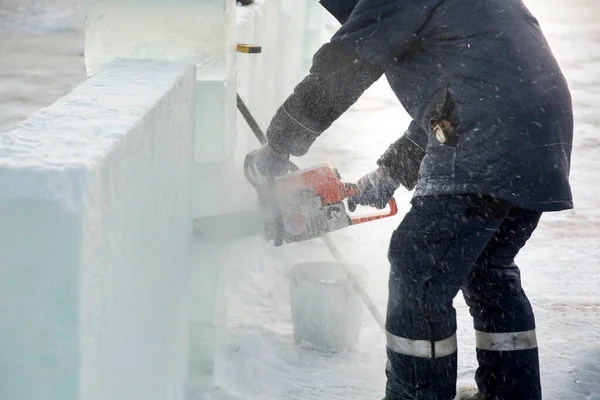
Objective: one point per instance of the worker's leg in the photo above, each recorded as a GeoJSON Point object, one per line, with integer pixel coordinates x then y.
{"type": "Point", "coordinates": [503, 318]}
{"type": "Point", "coordinates": [431, 254]}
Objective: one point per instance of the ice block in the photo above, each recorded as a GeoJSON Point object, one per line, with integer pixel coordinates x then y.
{"type": "Point", "coordinates": [200, 32]}
{"type": "Point", "coordinates": [95, 222]}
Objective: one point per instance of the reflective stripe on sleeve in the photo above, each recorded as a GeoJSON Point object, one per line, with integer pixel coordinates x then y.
{"type": "Point", "coordinates": [421, 348]}
{"type": "Point", "coordinates": [509, 341]}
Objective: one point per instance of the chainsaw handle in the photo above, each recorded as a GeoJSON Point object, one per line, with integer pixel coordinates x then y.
{"type": "Point", "coordinates": [351, 189]}
{"type": "Point", "coordinates": [375, 216]}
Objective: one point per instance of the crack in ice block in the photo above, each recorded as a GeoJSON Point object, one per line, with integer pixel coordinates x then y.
{"type": "Point", "coordinates": [95, 239]}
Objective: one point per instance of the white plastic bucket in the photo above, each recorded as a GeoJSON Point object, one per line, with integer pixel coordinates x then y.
{"type": "Point", "coordinates": [327, 312]}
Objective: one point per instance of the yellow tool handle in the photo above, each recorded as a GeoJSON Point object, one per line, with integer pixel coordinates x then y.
{"type": "Point", "coordinates": [248, 48]}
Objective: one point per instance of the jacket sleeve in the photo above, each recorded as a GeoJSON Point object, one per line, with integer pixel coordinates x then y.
{"type": "Point", "coordinates": [337, 78]}
{"type": "Point", "coordinates": [403, 158]}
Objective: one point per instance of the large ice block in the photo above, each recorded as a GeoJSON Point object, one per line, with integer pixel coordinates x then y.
{"type": "Point", "coordinates": [201, 32]}
{"type": "Point", "coordinates": [95, 229]}
{"type": "Point", "coordinates": [198, 32]}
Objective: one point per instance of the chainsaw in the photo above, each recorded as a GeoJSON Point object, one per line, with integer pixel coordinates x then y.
{"type": "Point", "coordinates": [301, 205]}
{"type": "Point", "coordinates": [306, 204]}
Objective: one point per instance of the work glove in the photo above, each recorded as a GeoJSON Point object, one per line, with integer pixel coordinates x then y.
{"type": "Point", "coordinates": [374, 189]}
{"type": "Point", "coordinates": [267, 162]}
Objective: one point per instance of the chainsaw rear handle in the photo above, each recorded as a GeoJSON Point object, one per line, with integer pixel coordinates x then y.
{"type": "Point", "coordinates": [361, 219]}
{"type": "Point", "coordinates": [375, 216]}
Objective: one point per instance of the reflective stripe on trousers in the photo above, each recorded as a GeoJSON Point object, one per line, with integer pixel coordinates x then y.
{"type": "Point", "coordinates": [421, 348]}
{"type": "Point", "coordinates": [508, 341]}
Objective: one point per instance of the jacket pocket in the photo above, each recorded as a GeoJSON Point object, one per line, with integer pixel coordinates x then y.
{"type": "Point", "coordinates": [439, 160]}
{"type": "Point", "coordinates": [442, 122]}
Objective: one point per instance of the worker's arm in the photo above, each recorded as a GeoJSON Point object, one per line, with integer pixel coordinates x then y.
{"type": "Point", "coordinates": [374, 36]}
{"type": "Point", "coordinates": [398, 166]}
{"type": "Point", "coordinates": [337, 78]}
{"type": "Point", "coordinates": [403, 158]}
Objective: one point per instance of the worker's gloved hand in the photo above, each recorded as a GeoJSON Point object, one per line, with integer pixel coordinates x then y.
{"type": "Point", "coordinates": [374, 189]}
{"type": "Point", "coordinates": [267, 162]}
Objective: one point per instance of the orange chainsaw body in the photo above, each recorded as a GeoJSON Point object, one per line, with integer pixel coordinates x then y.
{"type": "Point", "coordinates": [323, 180]}
{"type": "Point", "coordinates": [309, 203]}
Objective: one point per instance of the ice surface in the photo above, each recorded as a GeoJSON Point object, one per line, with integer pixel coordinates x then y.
{"type": "Point", "coordinates": [260, 361]}
{"type": "Point", "coordinates": [91, 187]}
{"type": "Point", "coordinates": [51, 154]}
{"type": "Point", "coordinates": [208, 310]}
{"type": "Point", "coordinates": [198, 32]}
{"type": "Point", "coordinates": [201, 33]}
{"type": "Point", "coordinates": [216, 111]}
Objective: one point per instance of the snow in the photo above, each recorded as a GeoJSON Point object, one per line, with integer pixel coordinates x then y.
{"type": "Point", "coordinates": [560, 264]}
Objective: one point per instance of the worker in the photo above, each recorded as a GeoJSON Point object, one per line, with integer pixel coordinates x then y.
{"type": "Point", "coordinates": [488, 151]}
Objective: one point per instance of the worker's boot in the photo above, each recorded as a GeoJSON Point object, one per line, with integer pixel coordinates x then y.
{"type": "Point", "coordinates": [470, 393]}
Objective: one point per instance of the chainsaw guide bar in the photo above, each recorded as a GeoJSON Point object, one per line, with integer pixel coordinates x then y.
{"type": "Point", "coordinates": [226, 227]}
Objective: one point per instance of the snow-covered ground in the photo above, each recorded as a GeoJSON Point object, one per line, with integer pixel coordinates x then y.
{"type": "Point", "coordinates": [41, 55]}
{"type": "Point", "coordinates": [41, 58]}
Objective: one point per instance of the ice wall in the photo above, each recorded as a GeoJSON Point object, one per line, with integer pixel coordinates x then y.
{"type": "Point", "coordinates": [200, 32]}
{"type": "Point", "coordinates": [95, 227]}
{"type": "Point", "coordinates": [194, 32]}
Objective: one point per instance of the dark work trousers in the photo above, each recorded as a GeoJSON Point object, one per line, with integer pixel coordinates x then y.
{"type": "Point", "coordinates": [445, 244]}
